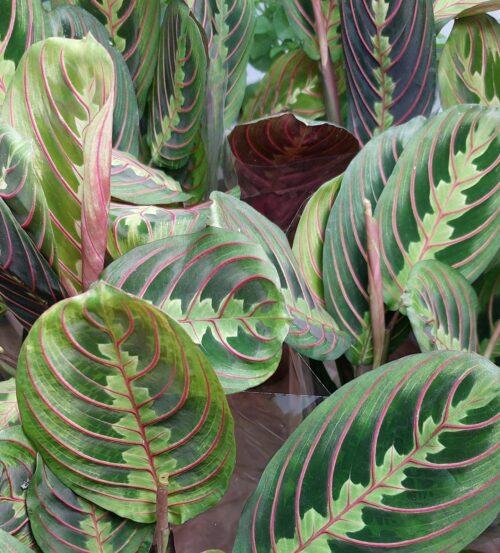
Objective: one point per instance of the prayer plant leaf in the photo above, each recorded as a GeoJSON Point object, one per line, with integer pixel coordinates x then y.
{"type": "Point", "coordinates": [390, 59]}
{"type": "Point", "coordinates": [469, 67]}
{"type": "Point", "coordinates": [118, 401]}
{"type": "Point", "coordinates": [403, 458]}
{"type": "Point", "coordinates": [225, 293]}
{"type": "Point", "coordinates": [61, 97]}
{"type": "Point", "coordinates": [63, 522]}
{"type": "Point", "coordinates": [444, 10]}
{"type": "Point", "coordinates": [442, 307]}
{"type": "Point", "coordinates": [9, 412]}
{"type": "Point", "coordinates": [312, 331]}
{"type": "Point", "coordinates": [13, 545]}
{"type": "Point", "coordinates": [488, 325]}
{"type": "Point", "coordinates": [345, 253]}
{"type": "Point", "coordinates": [441, 201]}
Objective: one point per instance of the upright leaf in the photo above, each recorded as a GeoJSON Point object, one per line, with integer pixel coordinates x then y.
{"type": "Point", "coordinates": [444, 10]}
{"type": "Point", "coordinates": [312, 331]}
{"type": "Point", "coordinates": [63, 522]}
{"type": "Point", "coordinates": [225, 293]}
{"type": "Point", "coordinates": [281, 160]}
{"type": "Point", "coordinates": [442, 307]}
{"type": "Point", "coordinates": [389, 48]}
{"type": "Point", "coordinates": [488, 323]}
{"type": "Point", "coordinates": [65, 107]}
{"type": "Point", "coordinates": [344, 253]}
{"type": "Point", "coordinates": [404, 458]}
{"type": "Point", "coordinates": [442, 199]}
{"type": "Point", "coordinates": [178, 92]}
{"type": "Point", "coordinates": [118, 400]}
{"type": "Point", "coordinates": [9, 413]}
{"type": "Point", "coordinates": [469, 67]}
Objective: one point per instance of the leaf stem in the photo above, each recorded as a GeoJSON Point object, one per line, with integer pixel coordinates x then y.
{"type": "Point", "coordinates": [162, 531]}
{"type": "Point", "coordinates": [331, 93]}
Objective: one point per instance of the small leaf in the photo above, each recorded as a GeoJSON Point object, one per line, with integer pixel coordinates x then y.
{"type": "Point", "coordinates": [442, 307]}
{"type": "Point", "coordinates": [116, 398]}
{"type": "Point", "coordinates": [9, 413]}
{"type": "Point", "coordinates": [444, 10]}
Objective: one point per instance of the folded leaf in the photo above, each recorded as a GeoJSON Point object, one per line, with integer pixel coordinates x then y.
{"type": "Point", "coordinates": [403, 458]}
{"type": "Point", "coordinates": [223, 290]}
{"type": "Point", "coordinates": [444, 10]}
{"type": "Point", "coordinates": [118, 400]}
{"type": "Point", "coordinates": [441, 201]}
{"type": "Point", "coordinates": [442, 307]}
{"type": "Point", "coordinates": [9, 413]}
{"type": "Point", "coordinates": [390, 59]}
{"type": "Point", "coordinates": [469, 67]}
{"type": "Point", "coordinates": [312, 332]}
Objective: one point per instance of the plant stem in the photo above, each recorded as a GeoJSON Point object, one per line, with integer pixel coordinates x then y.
{"type": "Point", "coordinates": [331, 93]}
{"type": "Point", "coordinates": [162, 531]}
{"type": "Point", "coordinates": [488, 352]}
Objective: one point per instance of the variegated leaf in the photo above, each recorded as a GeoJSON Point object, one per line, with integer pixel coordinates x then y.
{"type": "Point", "coordinates": [223, 290]}
{"type": "Point", "coordinates": [75, 22]}
{"type": "Point", "coordinates": [134, 28]}
{"type": "Point", "coordinates": [344, 253]}
{"type": "Point", "coordinates": [65, 107]}
{"type": "Point", "coordinates": [13, 545]}
{"type": "Point", "coordinates": [310, 236]}
{"type": "Point", "coordinates": [119, 402]}
{"type": "Point", "coordinates": [442, 307]}
{"type": "Point", "coordinates": [444, 10]}
{"type": "Point", "coordinates": [281, 160]}
{"type": "Point", "coordinates": [178, 93]}
{"type": "Point", "coordinates": [16, 469]}
{"type": "Point", "coordinates": [63, 522]}
{"type": "Point", "coordinates": [9, 413]}
{"type": "Point", "coordinates": [488, 323]}
{"type": "Point", "coordinates": [135, 183]}
{"type": "Point", "coordinates": [389, 49]}
{"type": "Point", "coordinates": [469, 67]}
{"type": "Point", "coordinates": [312, 332]}
{"type": "Point", "coordinates": [132, 226]}
{"type": "Point", "coordinates": [442, 201]}
{"type": "Point", "coordinates": [403, 458]}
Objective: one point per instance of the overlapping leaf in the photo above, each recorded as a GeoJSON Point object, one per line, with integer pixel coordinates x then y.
{"type": "Point", "coordinates": [118, 401]}
{"type": "Point", "coordinates": [134, 28]}
{"type": "Point", "coordinates": [444, 10]}
{"type": "Point", "coordinates": [132, 226]}
{"type": "Point", "coordinates": [469, 67]}
{"type": "Point", "coordinates": [403, 458]}
{"type": "Point", "coordinates": [442, 200]}
{"type": "Point", "coordinates": [63, 522]}
{"type": "Point", "coordinates": [135, 183]}
{"type": "Point", "coordinates": [344, 254]}
{"type": "Point", "coordinates": [390, 62]}
{"type": "Point", "coordinates": [221, 287]}
{"type": "Point", "coordinates": [281, 160]}
{"type": "Point", "coordinates": [442, 307]}
{"type": "Point", "coordinates": [65, 107]}
{"type": "Point", "coordinates": [178, 92]}
{"type": "Point", "coordinates": [12, 545]}
{"type": "Point", "coordinates": [75, 22]}
{"type": "Point", "coordinates": [312, 331]}
{"type": "Point", "coordinates": [9, 413]}
{"type": "Point", "coordinates": [488, 323]}
{"type": "Point", "coordinates": [16, 469]}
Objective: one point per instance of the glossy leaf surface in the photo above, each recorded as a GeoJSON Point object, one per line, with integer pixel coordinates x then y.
{"type": "Point", "coordinates": [442, 307]}
{"type": "Point", "coordinates": [281, 160]}
{"type": "Point", "coordinates": [117, 400]}
{"type": "Point", "coordinates": [9, 413]}
{"type": "Point", "coordinates": [223, 290]}
{"type": "Point", "coordinates": [441, 201]}
{"type": "Point", "coordinates": [402, 458]}
{"type": "Point", "coordinates": [312, 331]}
{"type": "Point", "coordinates": [344, 254]}
{"type": "Point", "coordinates": [389, 49]}
{"type": "Point", "coordinates": [469, 67]}
{"type": "Point", "coordinates": [444, 10]}
{"type": "Point", "coordinates": [63, 522]}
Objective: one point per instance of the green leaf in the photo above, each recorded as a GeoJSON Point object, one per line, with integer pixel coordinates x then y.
{"type": "Point", "coordinates": [9, 413]}
{"type": "Point", "coordinates": [310, 235]}
{"type": "Point", "coordinates": [440, 201]}
{"type": "Point", "coordinates": [12, 545]}
{"type": "Point", "coordinates": [63, 522]}
{"type": "Point", "coordinates": [118, 400]}
{"type": "Point", "coordinates": [16, 469]}
{"type": "Point", "coordinates": [134, 225]}
{"type": "Point", "coordinates": [65, 107]}
{"type": "Point", "coordinates": [178, 93]}
{"type": "Point", "coordinates": [444, 10]}
{"type": "Point", "coordinates": [344, 253]}
{"type": "Point", "coordinates": [225, 293]}
{"type": "Point", "coordinates": [390, 60]}
{"type": "Point", "coordinates": [312, 332]}
{"type": "Point", "coordinates": [442, 307]}
{"type": "Point", "coordinates": [403, 458]}
{"type": "Point", "coordinates": [75, 22]}
{"type": "Point", "coordinates": [488, 323]}
{"type": "Point", "coordinates": [469, 68]}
